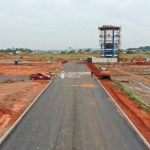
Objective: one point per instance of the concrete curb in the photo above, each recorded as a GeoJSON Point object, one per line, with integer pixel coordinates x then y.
{"type": "Point", "coordinates": [19, 119]}
{"type": "Point", "coordinates": [133, 126]}
{"type": "Point", "coordinates": [62, 68]}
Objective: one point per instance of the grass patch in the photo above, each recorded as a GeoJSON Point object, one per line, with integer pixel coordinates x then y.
{"type": "Point", "coordinates": [132, 97]}
{"type": "Point", "coordinates": [141, 105]}
{"type": "Point", "coordinates": [134, 55]}
{"type": "Point", "coordinates": [51, 56]}
{"type": "Point", "coordinates": [1, 81]}
{"type": "Point", "coordinates": [118, 85]}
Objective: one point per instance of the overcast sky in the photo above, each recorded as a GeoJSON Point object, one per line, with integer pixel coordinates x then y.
{"type": "Point", "coordinates": [59, 24]}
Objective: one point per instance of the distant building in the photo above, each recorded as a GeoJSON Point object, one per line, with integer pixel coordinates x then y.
{"type": "Point", "coordinates": [109, 41]}
{"type": "Point", "coordinates": [124, 52]}
{"type": "Point", "coordinates": [69, 49]}
{"type": "Point", "coordinates": [18, 52]}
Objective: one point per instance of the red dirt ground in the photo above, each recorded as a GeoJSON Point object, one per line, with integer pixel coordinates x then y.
{"type": "Point", "coordinates": [62, 60]}
{"type": "Point", "coordinates": [24, 68]}
{"type": "Point", "coordinates": [15, 97]}
{"type": "Point", "coordinates": [139, 117]}
{"type": "Point", "coordinates": [138, 63]}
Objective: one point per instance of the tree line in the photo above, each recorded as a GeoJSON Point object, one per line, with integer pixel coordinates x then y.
{"type": "Point", "coordinates": [140, 48]}
{"type": "Point", "coordinates": [14, 50]}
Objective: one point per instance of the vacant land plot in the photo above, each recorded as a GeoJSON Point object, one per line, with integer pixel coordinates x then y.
{"type": "Point", "coordinates": [134, 77]}
{"type": "Point", "coordinates": [16, 96]}
{"type": "Point", "coordinates": [26, 67]}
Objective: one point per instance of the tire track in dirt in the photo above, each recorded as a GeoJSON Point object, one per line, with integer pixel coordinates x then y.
{"type": "Point", "coordinates": [131, 74]}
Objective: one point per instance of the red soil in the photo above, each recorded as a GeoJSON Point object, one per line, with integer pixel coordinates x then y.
{"type": "Point", "coordinates": [138, 116]}
{"type": "Point", "coordinates": [138, 63]}
{"type": "Point", "coordinates": [62, 60]}
{"type": "Point", "coordinates": [142, 63]}
{"type": "Point", "coordinates": [26, 69]}
{"type": "Point", "coordinates": [15, 97]}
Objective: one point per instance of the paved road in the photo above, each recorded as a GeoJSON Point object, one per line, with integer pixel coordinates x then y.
{"type": "Point", "coordinates": [73, 114]}
{"type": "Point", "coordinates": [14, 78]}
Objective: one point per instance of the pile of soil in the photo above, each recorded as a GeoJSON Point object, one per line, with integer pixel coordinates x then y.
{"type": "Point", "coordinates": [138, 59]}
{"type": "Point", "coordinates": [63, 61]}
{"type": "Point", "coordinates": [13, 81]}
{"type": "Point", "coordinates": [93, 69]}
{"type": "Point", "coordinates": [142, 63]}
{"type": "Point", "coordinates": [138, 63]}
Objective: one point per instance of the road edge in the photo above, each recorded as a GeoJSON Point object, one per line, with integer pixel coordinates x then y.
{"type": "Point", "coordinates": [19, 119]}
{"type": "Point", "coordinates": [126, 117]}
{"type": "Point", "coordinates": [62, 68]}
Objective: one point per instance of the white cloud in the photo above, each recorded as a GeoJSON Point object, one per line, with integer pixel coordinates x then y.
{"type": "Point", "coordinates": [72, 21]}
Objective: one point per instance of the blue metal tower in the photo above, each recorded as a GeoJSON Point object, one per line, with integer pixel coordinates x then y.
{"type": "Point", "coordinates": [109, 40]}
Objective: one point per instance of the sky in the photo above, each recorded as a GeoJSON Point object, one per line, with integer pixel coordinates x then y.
{"type": "Point", "coordinates": [60, 24]}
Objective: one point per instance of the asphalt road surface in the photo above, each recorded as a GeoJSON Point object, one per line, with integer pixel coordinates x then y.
{"type": "Point", "coordinates": [73, 114]}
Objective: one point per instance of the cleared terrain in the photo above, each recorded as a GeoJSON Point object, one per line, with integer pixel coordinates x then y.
{"type": "Point", "coordinates": [73, 113]}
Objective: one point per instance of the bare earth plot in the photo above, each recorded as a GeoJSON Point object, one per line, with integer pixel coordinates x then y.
{"type": "Point", "coordinates": [14, 99]}
{"type": "Point", "coordinates": [134, 78]}
{"type": "Point", "coordinates": [16, 96]}
{"type": "Point", "coordinates": [73, 114]}
{"type": "Point", "coordinates": [12, 107]}
{"type": "Point", "coordinates": [7, 67]}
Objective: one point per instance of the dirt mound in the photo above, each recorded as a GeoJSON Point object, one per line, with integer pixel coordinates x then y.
{"type": "Point", "coordinates": [9, 81]}
{"type": "Point", "coordinates": [138, 63]}
{"type": "Point", "coordinates": [138, 59]}
{"type": "Point", "coordinates": [63, 61]}
{"type": "Point", "coordinates": [94, 69]}
{"type": "Point", "coordinates": [4, 110]}
{"type": "Point", "coordinates": [142, 63]}
{"type": "Point", "coordinates": [13, 81]}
